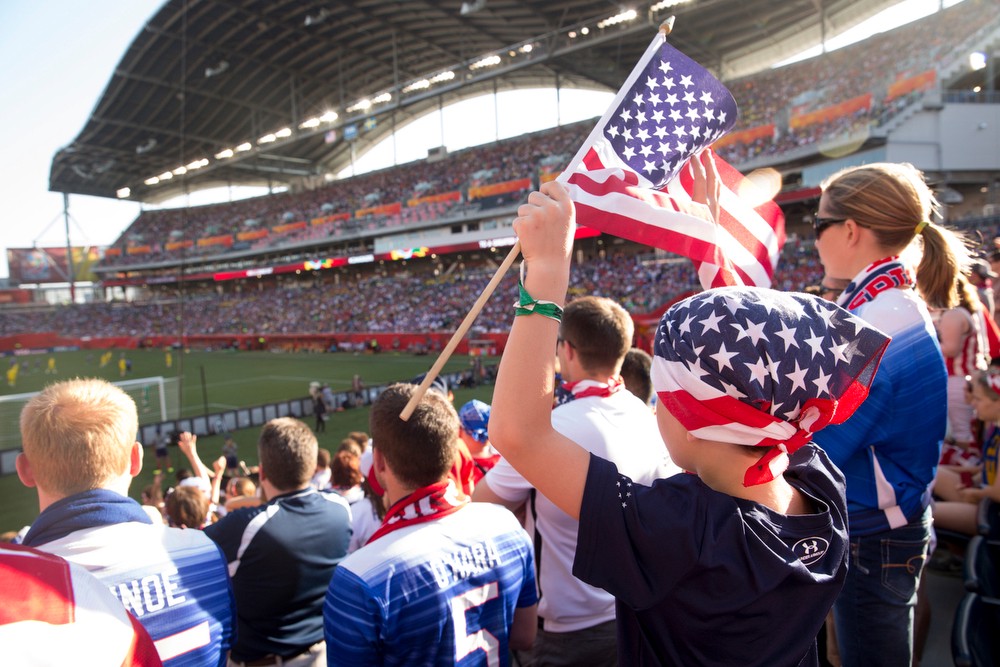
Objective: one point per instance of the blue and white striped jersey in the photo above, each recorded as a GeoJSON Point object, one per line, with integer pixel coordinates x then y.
{"type": "Point", "coordinates": [437, 593]}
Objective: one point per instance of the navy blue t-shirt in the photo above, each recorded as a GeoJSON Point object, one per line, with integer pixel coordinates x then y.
{"type": "Point", "coordinates": [281, 558]}
{"type": "Point", "coordinates": [703, 578]}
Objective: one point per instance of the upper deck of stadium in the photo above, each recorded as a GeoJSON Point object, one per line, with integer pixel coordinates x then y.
{"type": "Point", "coordinates": [209, 77]}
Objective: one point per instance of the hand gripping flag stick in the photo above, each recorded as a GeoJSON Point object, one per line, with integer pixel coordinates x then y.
{"type": "Point", "coordinates": [666, 27]}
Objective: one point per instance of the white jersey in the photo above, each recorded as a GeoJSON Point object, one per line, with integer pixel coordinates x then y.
{"type": "Point", "coordinates": [56, 613]}
{"type": "Point", "coordinates": [619, 428]}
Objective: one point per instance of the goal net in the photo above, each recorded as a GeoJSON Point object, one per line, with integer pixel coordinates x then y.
{"type": "Point", "coordinates": [155, 399]}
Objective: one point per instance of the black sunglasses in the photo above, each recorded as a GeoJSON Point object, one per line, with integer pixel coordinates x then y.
{"type": "Point", "coordinates": [820, 224]}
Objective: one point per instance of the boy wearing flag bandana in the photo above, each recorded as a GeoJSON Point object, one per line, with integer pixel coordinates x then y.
{"type": "Point", "coordinates": [442, 581]}
{"type": "Point", "coordinates": [739, 562]}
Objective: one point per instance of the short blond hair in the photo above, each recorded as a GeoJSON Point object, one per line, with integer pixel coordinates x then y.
{"type": "Point", "coordinates": [77, 435]}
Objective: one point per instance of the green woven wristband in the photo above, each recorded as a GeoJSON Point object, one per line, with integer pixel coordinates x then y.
{"type": "Point", "coordinates": [528, 306]}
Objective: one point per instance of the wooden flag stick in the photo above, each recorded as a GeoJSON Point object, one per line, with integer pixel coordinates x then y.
{"type": "Point", "coordinates": [461, 331]}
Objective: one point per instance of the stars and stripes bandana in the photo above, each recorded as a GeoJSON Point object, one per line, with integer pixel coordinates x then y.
{"type": "Point", "coordinates": [885, 274]}
{"type": "Point", "coordinates": [425, 504]}
{"type": "Point", "coordinates": [758, 367]}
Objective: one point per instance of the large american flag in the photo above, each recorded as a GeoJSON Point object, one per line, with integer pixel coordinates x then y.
{"type": "Point", "coordinates": [759, 367]}
{"type": "Point", "coordinates": [629, 177]}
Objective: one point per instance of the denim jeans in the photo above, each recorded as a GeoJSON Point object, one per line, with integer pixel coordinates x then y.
{"type": "Point", "coordinates": [874, 613]}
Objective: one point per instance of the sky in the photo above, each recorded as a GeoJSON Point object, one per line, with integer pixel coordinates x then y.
{"type": "Point", "coordinates": [58, 57]}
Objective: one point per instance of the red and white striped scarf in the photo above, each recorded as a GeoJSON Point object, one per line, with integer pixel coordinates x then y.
{"type": "Point", "coordinates": [427, 503]}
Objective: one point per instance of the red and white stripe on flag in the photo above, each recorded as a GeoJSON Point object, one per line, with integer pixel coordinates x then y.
{"type": "Point", "coordinates": [630, 176]}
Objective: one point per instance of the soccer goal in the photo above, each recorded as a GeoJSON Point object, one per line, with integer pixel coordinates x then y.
{"type": "Point", "coordinates": [155, 399]}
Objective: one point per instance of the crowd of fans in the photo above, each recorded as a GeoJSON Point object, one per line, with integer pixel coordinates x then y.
{"type": "Point", "coordinates": [769, 97]}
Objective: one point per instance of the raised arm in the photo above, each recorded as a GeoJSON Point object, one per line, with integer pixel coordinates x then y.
{"type": "Point", "coordinates": [521, 418]}
{"type": "Point", "coordinates": [188, 443]}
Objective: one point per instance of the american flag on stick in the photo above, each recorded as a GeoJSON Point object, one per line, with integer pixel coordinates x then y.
{"type": "Point", "coordinates": [630, 179]}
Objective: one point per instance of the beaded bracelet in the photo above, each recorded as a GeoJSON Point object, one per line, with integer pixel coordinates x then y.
{"type": "Point", "coordinates": [529, 306]}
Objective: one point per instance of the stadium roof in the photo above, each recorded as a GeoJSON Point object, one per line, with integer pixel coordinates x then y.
{"type": "Point", "coordinates": [204, 76]}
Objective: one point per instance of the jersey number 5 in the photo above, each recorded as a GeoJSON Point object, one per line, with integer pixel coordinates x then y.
{"type": "Point", "coordinates": [483, 640]}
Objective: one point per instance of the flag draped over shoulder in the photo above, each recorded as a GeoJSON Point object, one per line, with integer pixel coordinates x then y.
{"type": "Point", "coordinates": [630, 178]}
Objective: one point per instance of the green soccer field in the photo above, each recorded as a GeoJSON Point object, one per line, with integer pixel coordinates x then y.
{"type": "Point", "coordinates": [231, 380]}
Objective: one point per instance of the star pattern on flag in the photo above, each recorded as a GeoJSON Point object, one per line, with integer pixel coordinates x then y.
{"type": "Point", "coordinates": [696, 117]}
{"type": "Point", "coordinates": [751, 352]}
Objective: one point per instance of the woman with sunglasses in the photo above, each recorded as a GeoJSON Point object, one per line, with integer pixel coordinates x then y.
{"type": "Point", "coordinates": [868, 216]}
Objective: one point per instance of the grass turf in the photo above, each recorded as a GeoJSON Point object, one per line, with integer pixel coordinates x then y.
{"type": "Point", "coordinates": [232, 379]}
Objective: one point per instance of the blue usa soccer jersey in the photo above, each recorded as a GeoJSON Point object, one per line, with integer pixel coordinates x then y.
{"type": "Point", "coordinates": [437, 593]}
{"type": "Point", "coordinates": [889, 449]}
{"type": "Point", "coordinates": [173, 581]}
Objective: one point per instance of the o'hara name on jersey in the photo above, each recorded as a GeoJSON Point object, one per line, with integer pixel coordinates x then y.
{"type": "Point", "coordinates": [465, 562]}
{"type": "Point", "coordinates": [149, 594]}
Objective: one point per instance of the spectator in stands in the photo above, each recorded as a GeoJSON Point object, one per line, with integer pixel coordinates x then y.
{"type": "Point", "coordinates": [56, 613]}
{"type": "Point", "coordinates": [321, 477]}
{"type": "Point", "coordinates": [577, 620]}
{"type": "Point", "coordinates": [994, 267]}
{"type": "Point", "coordinates": [367, 513]}
{"type": "Point", "coordinates": [187, 507]}
{"type": "Point", "coordinates": [868, 216]}
{"type": "Point", "coordinates": [438, 567]}
{"type": "Point", "coordinates": [958, 508]}
{"type": "Point", "coordinates": [635, 374]}
{"type": "Point", "coordinates": [80, 454]}
{"type": "Point", "coordinates": [281, 555]}
{"type": "Point", "coordinates": [346, 476]}
{"type": "Point", "coordinates": [241, 492]}
{"type": "Point", "coordinates": [705, 566]}
{"type": "Point", "coordinates": [963, 346]}
{"type": "Point", "coordinates": [474, 419]}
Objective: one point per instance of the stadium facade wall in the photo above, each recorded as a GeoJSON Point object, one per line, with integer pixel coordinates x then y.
{"type": "Point", "coordinates": [955, 138]}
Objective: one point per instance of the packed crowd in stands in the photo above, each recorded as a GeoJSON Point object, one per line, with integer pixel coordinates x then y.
{"type": "Point", "coordinates": [413, 300]}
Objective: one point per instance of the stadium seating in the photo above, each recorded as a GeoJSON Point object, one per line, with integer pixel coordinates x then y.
{"type": "Point", "coordinates": [982, 559]}
{"type": "Point", "coordinates": [975, 641]}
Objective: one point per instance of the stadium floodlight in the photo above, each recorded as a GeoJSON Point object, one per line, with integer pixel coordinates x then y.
{"type": "Point", "coordinates": [329, 117]}
{"type": "Point", "coordinates": [222, 155]}
{"type": "Point", "coordinates": [423, 84]}
{"type": "Point", "coordinates": [526, 48]}
{"type": "Point", "coordinates": [166, 176]}
{"type": "Point", "coordinates": [360, 105]}
{"type": "Point", "coordinates": [667, 4]}
{"type": "Point", "coordinates": [152, 181]}
{"type": "Point", "coordinates": [123, 193]}
{"type": "Point", "coordinates": [283, 133]}
{"type": "Point", "coordinates": [245, 146]}
{"type": "Point", "coordinates": [197, 164]}
{"type": "Point", "coordinates": [584, 30]}
{"type": "Point", "coordinates": [487, 61]}
{"type": "Point", "coordinates": [309, 124]}
{"type": "Point", "coordinates": [267, 139]}
{"type": "Point", "coordinates": [628, 15]}
{"type": "Point", "coordinates": [382, 98]}
{"type": "Point", "coordinates": [977, 60]}
{"type": "Point", "coordinates": [180, 171]}
{"type": "Point", "coordinates": [447, 75]}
